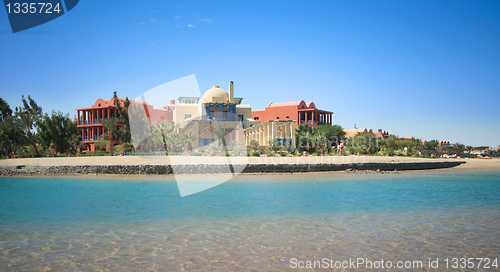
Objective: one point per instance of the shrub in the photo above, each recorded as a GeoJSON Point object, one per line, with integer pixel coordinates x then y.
{"type": "Point", "coordinates": [93, 153]}
{"type": "Point", "coordinates": [256, 154]}
{"type": "Point", "coordinates": [399, 153]}
{"type": "Point", "coordinates": [274, 145]}
{"type": "Point", "coordinates": [101, 146]}
{"type": "Point", "coordinates": [283, 154]}
{"type": "Point", "coordinates": [236, 150]}
{"type": "Point", "coordinates": [254, 144]}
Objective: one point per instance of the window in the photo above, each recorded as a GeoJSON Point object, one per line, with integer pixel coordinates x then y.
{"type": "Point", "coordinates": [240, 117]}
{"type": "Point", "coordinates": [187, 116]}
{"type": "Point", "coordinates": [277, 118]}
{"type": "Point", "coordinates": [288, 117]}
{"type": "Point", "coordinates": [256, 118]}
{"type": "Point", "coordinates": [162, 117]}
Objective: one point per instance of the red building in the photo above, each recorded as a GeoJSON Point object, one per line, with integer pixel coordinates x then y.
{"type": "Point", "coordinates": [89, 118]}
{"type": "Point", "coordinates": [299, 111]}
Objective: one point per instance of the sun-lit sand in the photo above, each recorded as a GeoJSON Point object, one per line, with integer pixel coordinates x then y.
{"type": "Point", "coordinates": [137, 160]}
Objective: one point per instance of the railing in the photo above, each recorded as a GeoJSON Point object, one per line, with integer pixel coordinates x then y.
{"type": "Point", "coordinates": [223, 117]}
{"type": "Point", "coordinates": [124, 153]}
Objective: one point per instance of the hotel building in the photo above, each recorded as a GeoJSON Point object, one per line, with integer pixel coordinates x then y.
{"type": "Point", "coordinates": [215, 108]}
{"type": "Point", "coordinates": [299, 111]}
{"type": "Point", "coordinates": [89, 119]}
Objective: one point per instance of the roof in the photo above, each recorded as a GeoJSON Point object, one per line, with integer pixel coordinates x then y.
{"type": "Point", "coordinates": [215, 95]}
{"type": "Point", "coordinates": [285, 104]}
{"type": "Point", "coordinates": [355, 131]}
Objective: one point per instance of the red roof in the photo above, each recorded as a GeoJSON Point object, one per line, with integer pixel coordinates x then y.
{"type": "Point", "coordinates": [285, 104]}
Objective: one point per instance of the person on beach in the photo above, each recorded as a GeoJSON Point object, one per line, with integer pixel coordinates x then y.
{"type": "Point", "coordinates": [340, 147]}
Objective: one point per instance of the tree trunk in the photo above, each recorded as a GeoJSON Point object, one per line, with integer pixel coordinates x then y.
{"type": "Point", "coordinates": [110, 145]}
{"type": "Point", "coordinates": [30, 136]}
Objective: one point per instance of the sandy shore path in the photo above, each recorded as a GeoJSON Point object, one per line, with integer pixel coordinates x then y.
{"type": "Point", "coordinates": [179, 160]}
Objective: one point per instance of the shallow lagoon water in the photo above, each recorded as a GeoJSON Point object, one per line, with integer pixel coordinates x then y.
{"type": "Point", "coordinates": [254, 222]}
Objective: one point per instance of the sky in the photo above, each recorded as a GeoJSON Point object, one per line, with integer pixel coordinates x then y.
{"type": "Point", "coordinates": [429, 69]}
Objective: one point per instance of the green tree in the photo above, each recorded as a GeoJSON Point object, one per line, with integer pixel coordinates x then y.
{"type": "Point", "coordinates": [460, 147]}
{"type": "Point", "coordinates": [100, 145]}
{"type": "Point", "coordinates": [110, 124]}
{"type": "Point", "coordinates": [333, 133]}
{"type": "Point", "coordinates": [364, 143]}
{"type": "Point", "coordinates": [431, 145]}
{"type": "Point", "coordinates": [319, 138]}
{"type": "Point", "coordinates": [123, 132]}
{"type": "Point", "coordinates": [12, 136]}
{"type": "Point", "coordinates": [5, 110]}
{"type": "Point", "coordinates": [59, 130]}
{"type": "Point", "coordinates": [29, 115]}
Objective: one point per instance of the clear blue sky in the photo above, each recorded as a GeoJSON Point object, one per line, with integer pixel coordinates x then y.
{"type": "Point", "coordinates": [429, 69]}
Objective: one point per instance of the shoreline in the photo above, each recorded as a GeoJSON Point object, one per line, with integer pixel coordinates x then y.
{"type": "Point", "coordinates": [126, 166]}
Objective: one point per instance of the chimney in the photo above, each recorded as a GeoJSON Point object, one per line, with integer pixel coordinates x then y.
{"type": "Point", "coordinates": [231, 92]}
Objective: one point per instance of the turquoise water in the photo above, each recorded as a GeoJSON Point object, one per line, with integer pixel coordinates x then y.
{"type": "Point", "coordinates": [255, 222]}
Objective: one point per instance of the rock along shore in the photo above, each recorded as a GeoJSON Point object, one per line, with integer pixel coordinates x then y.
{"type": "Point", "coordinates": [27, 170]}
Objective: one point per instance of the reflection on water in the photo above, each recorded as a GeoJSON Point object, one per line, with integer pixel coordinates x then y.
{"type": "Point", "coordinates": [252, 223]}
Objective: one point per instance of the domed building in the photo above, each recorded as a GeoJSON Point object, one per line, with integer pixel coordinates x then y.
{"type": "Point", "coordinates": [216, 105]}
{"type": "Point", "coordinates": [215, 95]}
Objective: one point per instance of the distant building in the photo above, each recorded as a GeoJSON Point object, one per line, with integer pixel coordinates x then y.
{"type": "Point", "coordinates": [442, 143]}
{"type": "Point", "coordinates": [217, 110]}
{"type": "Point", "coordinates": [380, 134]}
{"type": "Point", "coordinates": [480, 150]}
{"type": "Point", "coordinates": [299, 111]}
{"type": "Point", "coordinates": [281, 131]}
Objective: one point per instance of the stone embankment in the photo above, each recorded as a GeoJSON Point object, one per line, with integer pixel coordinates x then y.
{"type": "Point", "coordinates": [22, 170]}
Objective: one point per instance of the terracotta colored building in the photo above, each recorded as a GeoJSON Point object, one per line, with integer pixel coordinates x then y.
{"type": "Point", "coordinates": [89, 118]}
{"type": "Point", "coordinates": [380, 134]}
{"type": "Point", "coordinates": [299, 111]}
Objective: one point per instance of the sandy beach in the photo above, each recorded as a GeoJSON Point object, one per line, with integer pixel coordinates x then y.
{"type": "Point", "coordinates": [470, 164]}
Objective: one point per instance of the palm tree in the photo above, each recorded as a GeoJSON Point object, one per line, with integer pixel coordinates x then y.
{"type": "Point", "coordinates": [29, 115]}
{"type": "Point", "coordinates": [163, 130]}
{"type": "Point", "coordinates": [188, 138]}
{"type": "Point", "coordinates": [110, 125]}
{"type": "Point", "coordinates": [220, 132]}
